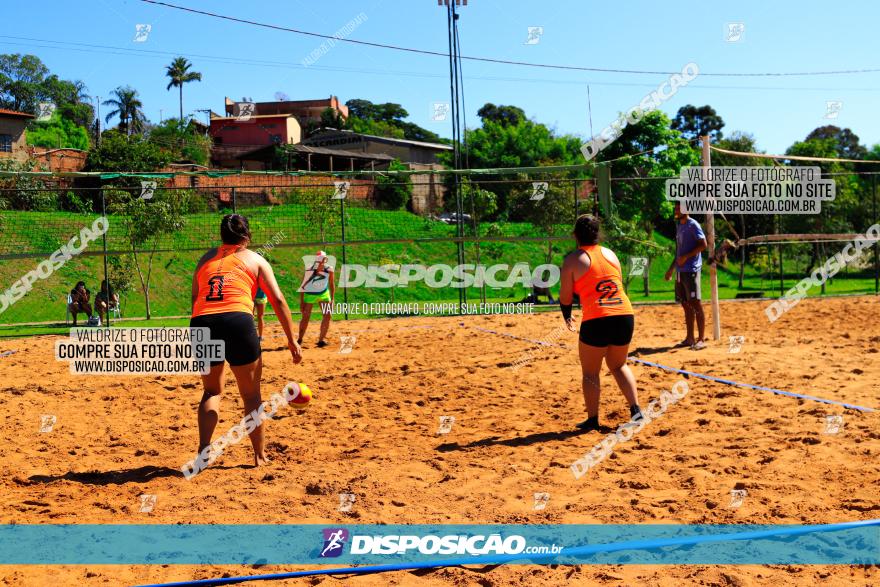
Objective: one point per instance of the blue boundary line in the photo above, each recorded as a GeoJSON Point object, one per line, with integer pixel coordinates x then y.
{"type": "Point", "coordinates": [700, 375]}
{"type": "Point", "coordinates": [501, 559]}
{"type": "Point", "coordinates": [750, 386]}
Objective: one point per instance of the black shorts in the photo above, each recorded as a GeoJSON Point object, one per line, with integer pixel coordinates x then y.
{"type": "Point", "coordinates": [687, 286]}
{"type": "Point", "coordinates": [237, 331]}
{"type": "Point", "coordinates": [610, 330]}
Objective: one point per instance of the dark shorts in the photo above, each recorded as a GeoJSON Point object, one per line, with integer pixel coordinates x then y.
{"type": "Point", "coordinates": [237, 331]}
{"type": "Point", "coordinates": [687, 287]}
{"type": "Point", "coordinates": [610, 330]}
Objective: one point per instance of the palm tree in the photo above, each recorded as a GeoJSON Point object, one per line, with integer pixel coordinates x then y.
{"type": "Point", "coordinates": [128, 107]}
{"type": "Point", "coordinates": [180, 74]}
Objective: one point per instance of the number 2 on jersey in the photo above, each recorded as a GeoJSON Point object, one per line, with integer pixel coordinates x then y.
{"type": "Point", "coordinates": [608, 293]}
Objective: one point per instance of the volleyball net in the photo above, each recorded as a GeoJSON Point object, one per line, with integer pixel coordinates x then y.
{"type": "Point", "coordinates": [160, 224]}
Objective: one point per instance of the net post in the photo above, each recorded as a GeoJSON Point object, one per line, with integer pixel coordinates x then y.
{"type": "Point", "coordinates": [781, 273]}
{"type": "Point", "coordinates": [876, 244]}
{"type": "Point", "coordinates": [342, 224]}
{"type": "Point", "coordinates": [710, 242]}
{"type": "Point", "coordinates": [742, 254]}
{"type": "Point", "coordinates": [104, 241]}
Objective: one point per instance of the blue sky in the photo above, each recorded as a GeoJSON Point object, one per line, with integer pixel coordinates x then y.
{"type": "Point", "coordinates": [643, 35]}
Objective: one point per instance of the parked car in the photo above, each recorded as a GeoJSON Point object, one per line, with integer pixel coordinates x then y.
{"type": "Point", "coordinates": [452, 217]}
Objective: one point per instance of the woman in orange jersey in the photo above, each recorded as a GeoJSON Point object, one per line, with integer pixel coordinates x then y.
{"type": "Point", "coordinates": [223, 289]}
{"type": "Point", "coordinates": [593, 273]}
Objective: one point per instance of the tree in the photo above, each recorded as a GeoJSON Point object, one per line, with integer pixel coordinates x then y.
{"type": "Point", "coordinates": [385, 120]}
{"type": "Point", "coordinates": [180, 74]}
{"type": "Point", "coordinates": [414, 132]}
{"type": "Point", "coordinates": [21, 78]}
{"type": "Point", "coordinates": [480, 204]}
{"type": "Point", "coordinates": [330, 118]}
{"type": "Point", "coordinates": [57, 133]}
{"type": "Point", "coordinates": [842, 214]}
{"type": "Point", "coordinates": [552, 215]}
{"type": "Point", "coordinates": [649, 148]}
{"type": "Point", "coordinates": [361, 109]}
{"type": "Point", "coordinates": [375, 127]}
{"type": "Point", "coordinates": [22, 191]}
{"type": "Point", "coordinates": [846, 212]}
{"type": "Point", "coordinates": [749, 224]}
{"type": "Point", "coordinates": [504, 115]}
{"type": "Point", "coordinates": [846, 142]}
{"type": "Point", "coordinates": [182, 142]}
{"type": "Point", "coordinates": [145, 222]}
{"type": "Point", "coordinates": [322, 212]}
{"type": "Point", "coordinates": [477, 202]}
{"type": "Point", "coordinates": [128, 107]}
{"type": "Point", "coordinates": [25, 82]}
{"type": "Point", "coordinates": [122, 273]}
{"type": "Point", "coordinates": [501, 143]}
{"type": "Point", "coordinates": [524, 144]}
{"type": "Point", "coordinates": [119, 152]}
{"type": "Point", "coordinates": [71, 99]}
{"type": "Point", "coordinates": [693, 122]}
{"type": "Point", "coordinates": [743, 143]}
{"type": "Point", "coordinates": [393, 192]}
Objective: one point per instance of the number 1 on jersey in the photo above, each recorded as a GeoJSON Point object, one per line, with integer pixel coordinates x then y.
{"type": "Point", "coordinates": [215, 291]}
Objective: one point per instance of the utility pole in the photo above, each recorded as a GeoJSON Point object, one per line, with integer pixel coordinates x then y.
{"type": "Point", "coordinates": [207, 112]}
{"type": "Point", "coordinates": [710, 241]}
{"type": "Point", "coordinates": [98, 121]}
{"type": "Point", "coordinates": [455, 91]}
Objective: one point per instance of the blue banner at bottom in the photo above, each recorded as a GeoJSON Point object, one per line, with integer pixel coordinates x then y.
{"type": "Point", "coordinates": [42, 544]}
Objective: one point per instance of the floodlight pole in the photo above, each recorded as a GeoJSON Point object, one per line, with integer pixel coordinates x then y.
{"type": "Point", "coordinates": [710, 242]}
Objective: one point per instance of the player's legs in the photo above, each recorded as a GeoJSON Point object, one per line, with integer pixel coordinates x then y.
{"type": "Point", "coordinates": [626, 381]}
{"type": "Point", "coordinates": [697, 309]}
{"type": "Point", "coordinates": [327, 316]}
{"type": "Point", "coordinates": [689, 322]}
{"type": "Point", "coordinates": [260, 310]}
{"type": "Point", "coordinates": [248, 379]}
{"type": "Point", "coordinates": [689, 294]}
{"type": "Point", "coordinates": [306, 311]}
{"type": "Point", "coordinates": [682, 296]}
{"type": "Point", "coordinates": [591, 362]}
{"type": "Point", "coordinates": [693, 290]}
{"type": "Point", "coordinates": [209, 406]}
{"type": "Point", "coordinates": [236, 330]}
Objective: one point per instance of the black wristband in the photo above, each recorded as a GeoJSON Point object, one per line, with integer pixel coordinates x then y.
{"type": "Point", "coordinates": [566, 310]}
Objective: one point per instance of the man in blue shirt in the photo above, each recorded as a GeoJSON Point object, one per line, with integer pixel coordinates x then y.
{"type": "Point", "coordinates": [689, 243]}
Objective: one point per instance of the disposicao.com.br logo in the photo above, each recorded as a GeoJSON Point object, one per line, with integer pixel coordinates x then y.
{"type": "Point", "coordinates": [334, 542]}
{"type": "Point", "coordinates": [393, 544]}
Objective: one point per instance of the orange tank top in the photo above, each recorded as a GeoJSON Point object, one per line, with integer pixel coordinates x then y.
{"type": "Point", "coordinates": [601, 287]}
{"type": "Point", "coordinates": [225, 284]}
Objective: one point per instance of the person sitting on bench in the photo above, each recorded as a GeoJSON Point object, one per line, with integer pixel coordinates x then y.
{"type": "Point", "coordinates": [79, 301]}
{"type": "Point", "coordinates": [105, 302]}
